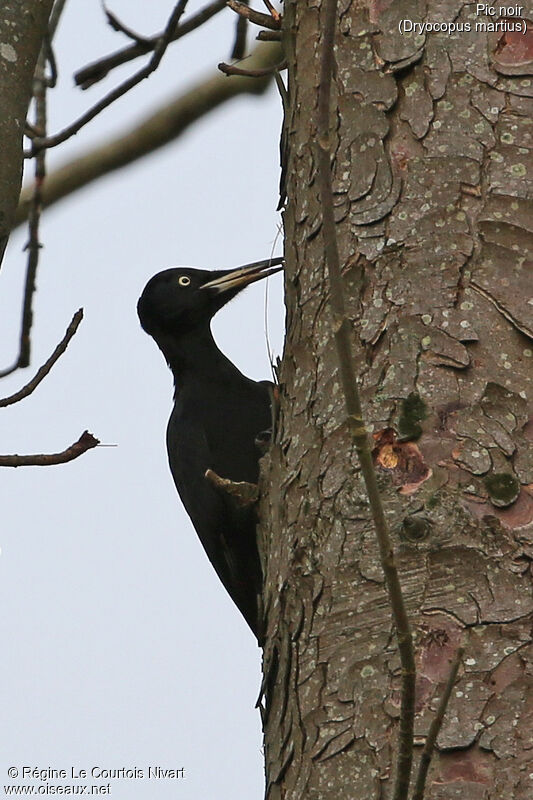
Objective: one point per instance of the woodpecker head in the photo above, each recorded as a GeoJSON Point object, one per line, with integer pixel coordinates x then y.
{"type": "Point", "coordinates": [181, 299]}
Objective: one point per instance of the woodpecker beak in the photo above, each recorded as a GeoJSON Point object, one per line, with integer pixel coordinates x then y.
{"type": "Point", "coordinates": [239, 278]}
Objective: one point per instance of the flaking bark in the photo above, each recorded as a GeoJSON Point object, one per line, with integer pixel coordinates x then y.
{"type": "Point", "coordinates": [433, 209]}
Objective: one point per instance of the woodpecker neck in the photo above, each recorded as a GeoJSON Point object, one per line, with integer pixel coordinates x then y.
{"type": "Point", "coordinates": [194, 355]}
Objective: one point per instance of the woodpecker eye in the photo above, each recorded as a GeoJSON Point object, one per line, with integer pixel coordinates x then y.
{"type": "Point", "coordinates": [184, 280]}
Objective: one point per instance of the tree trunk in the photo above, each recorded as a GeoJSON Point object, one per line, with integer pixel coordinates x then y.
{"type": "Point", "coordinates": [433, 211]}
{"type": "Point", "coordinates": [23, 24]}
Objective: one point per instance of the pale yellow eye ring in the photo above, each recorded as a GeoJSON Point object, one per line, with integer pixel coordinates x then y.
{"type": "Point", "coordinates": [184, 280]}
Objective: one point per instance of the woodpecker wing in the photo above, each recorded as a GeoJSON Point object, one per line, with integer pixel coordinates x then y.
{"type": "Point", "coordinates": [226, 532]}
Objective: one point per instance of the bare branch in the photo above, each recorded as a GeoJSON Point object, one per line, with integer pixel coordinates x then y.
{"type": "Point", "coordinates": [98, 70]}
{"type": "Point", "coordinates": [119, 91]}
{"type": "Point", "coordinates": [269, 36]}
{"type": "Point", "coordinates": [434, 728]}
{"type": "Point", "coordinates": [257, 17]}
{"type": "Point", "coordinates": [239, 46]}
{"type": "Point", "coordinates": [232, 69]}
{"type": "Point", "coordinates": [343, 340]}
{"type": "Point", "coordinates": [120, 27]}
{"type": "Point", "coordinates": [168, 123]}
{"type": "Point", "coordinates": [86, 442]}
{"type": "Point", "coordinates": [47, 366]}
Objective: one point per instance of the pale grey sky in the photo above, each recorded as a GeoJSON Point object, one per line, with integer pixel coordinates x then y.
{"type": "Point", "coordinates": [121, 648]}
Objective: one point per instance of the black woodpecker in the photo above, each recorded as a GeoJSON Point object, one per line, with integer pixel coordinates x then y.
{"type": "Point", "coordinates": [218, 414]}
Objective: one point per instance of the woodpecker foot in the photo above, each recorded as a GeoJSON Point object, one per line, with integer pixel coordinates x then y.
{"type": "Point", "coordinates": [243, 493]}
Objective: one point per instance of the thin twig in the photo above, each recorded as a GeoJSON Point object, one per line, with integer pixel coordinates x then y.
{"type": "Point", "coordinates": [47, 366]}
{"type": "Point", "coordinates": [120, 27]}
{"type": "Point", "coordinates": [343, 341]}
{"type": "Point", "coordinates": [51, 79]}
{"type": "Point", "coordinates": [55, 16]}
{"type": "Point", "coordinates": [232, 69]}
{"type": "Point", "coordinates": [86, 442]}
{"type": "Point", "coordinates": [53, 22]}
{"type": "Point", "coordinates": [434, 728]}
{"type": "Point", "coordinates": [119, 91]}
{"type": "Point", "coordinates": [257, 17]}
{"type": "Point", "coordinates": [98, 70]}
{"type": "Point", "coordinates": [33, 245]}
{"type": "Point", "coordinates": [239, 46]}
{"type": "Point", "coordinates": [30, 130]}
{"type": "Point", "coordinates": [273, 11]}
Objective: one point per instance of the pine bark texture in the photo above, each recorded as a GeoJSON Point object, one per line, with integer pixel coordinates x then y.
{"type": "Point", "coordinates": [432, 180]}
{"type": "Point", "coordinates": [23, 24]}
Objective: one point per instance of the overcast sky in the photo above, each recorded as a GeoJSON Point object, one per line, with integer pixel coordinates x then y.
{"type": "Point", "coordinates": [121, 649]}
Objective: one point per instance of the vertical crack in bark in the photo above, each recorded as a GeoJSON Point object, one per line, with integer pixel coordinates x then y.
{"type": "Point", "coordinates": [342, 335]}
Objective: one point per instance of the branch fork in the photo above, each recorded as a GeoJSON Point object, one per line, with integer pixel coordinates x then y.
{"type": "Point", "coordinates": [271, 21]}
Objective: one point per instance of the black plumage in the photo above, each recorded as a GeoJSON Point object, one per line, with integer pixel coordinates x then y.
{"type": "Point", "coordinates": [217, 415]}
